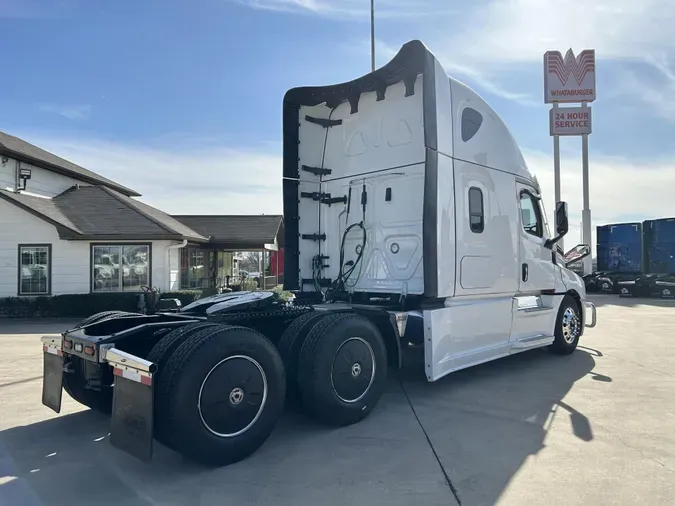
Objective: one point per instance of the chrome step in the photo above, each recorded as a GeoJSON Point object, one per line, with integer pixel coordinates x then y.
{"type": "Point", "coordinates": [533, 342]}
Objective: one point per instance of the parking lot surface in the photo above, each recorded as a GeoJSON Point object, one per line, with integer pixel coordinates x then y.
{"type": "Point", "coordinates": [595, 427]}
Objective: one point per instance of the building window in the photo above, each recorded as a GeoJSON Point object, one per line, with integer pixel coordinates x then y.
{"type": "Point", "coordinates": [471, 122]}
{"type": "Point", "coordinates": [476, 213]}
{"type": "Point", "coordinates": [35, 269]}
{"type": "Point", "coordinates": [120, 268]}
{"type": "Point", "coordinates": [193, 269]}
{"type": "Point", "coordinates": [530, 213]}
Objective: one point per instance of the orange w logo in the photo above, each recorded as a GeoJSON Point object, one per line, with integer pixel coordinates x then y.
{"type": "Point", "coordinates": [571, 66]}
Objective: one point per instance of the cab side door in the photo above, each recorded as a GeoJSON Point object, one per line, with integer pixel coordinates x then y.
{"type": "Point", "coordinates": [533, 316]}
{"type": "Point", "coordinates": [537, 271]}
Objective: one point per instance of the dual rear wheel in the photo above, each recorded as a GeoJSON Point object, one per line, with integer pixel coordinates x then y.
{"type": "Point", "coordinates": [220, 390]}
{"type": "Point", "coordinates": [339, 366]}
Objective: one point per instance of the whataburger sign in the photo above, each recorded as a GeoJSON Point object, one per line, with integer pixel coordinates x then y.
{"type": "Point", "coordinates": [569, 79]}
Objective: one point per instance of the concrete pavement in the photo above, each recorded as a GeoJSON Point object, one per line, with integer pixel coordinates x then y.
{"type": "Point", "coordinates": [594, 427]}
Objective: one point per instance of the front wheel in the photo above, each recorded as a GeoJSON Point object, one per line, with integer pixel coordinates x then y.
{"type": "Point", "coordinates": [567, 327]}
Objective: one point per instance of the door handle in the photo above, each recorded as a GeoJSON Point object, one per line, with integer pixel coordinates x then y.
{"type": "Point", "coordinates": [524, 272]}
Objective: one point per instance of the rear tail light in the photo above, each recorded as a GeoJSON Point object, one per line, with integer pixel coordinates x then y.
{"type": "Point", "coordinates": [67, 344]}
{"type": "Point", "coordinates": [89, 350]}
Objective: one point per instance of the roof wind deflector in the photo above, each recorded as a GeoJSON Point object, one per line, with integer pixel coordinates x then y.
{"type": "Point", "coordinates": [405, 66]}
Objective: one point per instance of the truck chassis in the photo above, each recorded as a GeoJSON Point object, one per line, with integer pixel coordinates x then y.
{"type": "Point", "coordinates": [212, 385]}
{"type": "Point", "coordinates": [469, 274]}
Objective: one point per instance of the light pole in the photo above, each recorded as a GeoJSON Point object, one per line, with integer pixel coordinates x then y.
{"type": "Point", "coordinates": [372, 35]}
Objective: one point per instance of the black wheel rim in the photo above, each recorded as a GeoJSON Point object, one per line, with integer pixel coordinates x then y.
{"type": "Point", "coordinates": [232, 396]}
{"type": "Point", "coordinates": [353, 370]}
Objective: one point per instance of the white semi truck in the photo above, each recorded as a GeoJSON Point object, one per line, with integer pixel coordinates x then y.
{"type": "Point", "coordinates": [410, 217]}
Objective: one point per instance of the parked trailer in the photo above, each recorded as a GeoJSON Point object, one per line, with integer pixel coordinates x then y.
{"type": "Point", "coordinates": [660, 245]}
{"type": "Point", "coordinates": [636, 259]}
{"type": "Point", "coordinates": [410, 216]}
{"type": "Point", "coordinates": [620, 248]}
{"type": "Point", "coordinates": [658, 279]}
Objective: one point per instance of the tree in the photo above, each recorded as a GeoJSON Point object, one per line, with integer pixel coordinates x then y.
{"type": "Point", "coordinates": [250, 261]}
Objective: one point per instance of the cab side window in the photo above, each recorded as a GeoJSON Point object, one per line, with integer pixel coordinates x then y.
{"type": "Point", "coordinates": [530, 213]}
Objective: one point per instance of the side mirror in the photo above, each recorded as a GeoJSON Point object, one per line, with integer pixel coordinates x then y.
{"type": "Point", "coordinates": [577, 253]}
{"type": "Point", "coordinates": [562, 225]}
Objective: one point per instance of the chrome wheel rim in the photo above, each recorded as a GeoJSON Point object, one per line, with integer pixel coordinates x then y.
{"type": "Point", "coordinates": [232, 396]}
{"type": "Point", "coordinates": [571, 325]}
{"type": "Point", "coordinates": [352, 371]}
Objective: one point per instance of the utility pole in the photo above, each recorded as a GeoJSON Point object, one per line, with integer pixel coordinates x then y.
{"type": "Point", "coordinates": [372, 35]}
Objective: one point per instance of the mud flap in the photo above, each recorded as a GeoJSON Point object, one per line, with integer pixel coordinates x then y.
{"type": "Point", "coordinates": [52, 378]}
{"type": "Point", "coordinates": [132, 414]}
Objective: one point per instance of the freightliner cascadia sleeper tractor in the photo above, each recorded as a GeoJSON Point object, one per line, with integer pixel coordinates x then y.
{"type": "Point", "coordinates": [411, 219]}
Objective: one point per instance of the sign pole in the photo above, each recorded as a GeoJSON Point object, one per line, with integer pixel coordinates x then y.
{"type": "Point", "coordinates": [372, 35]}
{"type": "Point", "coordinates": [556, 169]}
{"type": "Point", "coordinates": [586, 212]}
{"type": "Point", "coordinates": [571, 79]}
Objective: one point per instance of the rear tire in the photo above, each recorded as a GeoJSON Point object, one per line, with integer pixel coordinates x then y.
{"type": "Point", "coordinates": [163, 351]}
{"type": "Point", "coordinates": [567, 327]}
{"type": "Point", "coordinates": [167, 345]}
{"type": "Point", "coordinates": [220, 395]}
{"type": "Point", "coordinates": [289, 347]}
{"type": "Point", "coordinates": [342, 369]}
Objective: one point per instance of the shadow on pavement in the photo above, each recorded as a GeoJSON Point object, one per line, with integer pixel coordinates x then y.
{"type": "Point", "coordinates": [486, 421]}
{"type": "Point", "coordinates": [483, 423]}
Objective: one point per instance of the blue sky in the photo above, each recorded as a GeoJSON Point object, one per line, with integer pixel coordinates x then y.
{"type": "Point", "coordinates": [173, 96]}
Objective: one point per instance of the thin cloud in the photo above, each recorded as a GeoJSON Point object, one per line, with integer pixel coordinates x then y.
{"type": "Point", "coordinates": [248, 181]}
{"type": "Point", "coordinates": [491, 40]}
{"type": "Point", "coordinates": [74, 112]}
{"type": "Point", "coordinates": [353, 9]}
{"type": "Point", "coordinates": [384, 52]}
{"type": "Point", "coordinates": [521, 30]}
{"type": "Point", "coordinates": [652, 89]}
{"type": "Point", "coordinates": [620, 189]}
{"type": "Point", "coordinates": [513, 34]}
{"type": "Point", "coordinates": [487, 82]}
{"type": "Point", "coordinates": [181, 180]}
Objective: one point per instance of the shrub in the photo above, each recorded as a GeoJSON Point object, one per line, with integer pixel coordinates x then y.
{"type": "Point", "coordinates": [281, 294]}
{"type": "Point", "coordinates": [86, 304]}
{"type": "Point", "coordinates": [67, 306]}
{"type": "Point", "coordinates": [247, 285]}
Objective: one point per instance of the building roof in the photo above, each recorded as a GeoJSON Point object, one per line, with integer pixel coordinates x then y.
{"type": "Point", "coordinates": [237, 232]}
{"type": "Point", "coordinates": [99, 213]}
{"type": "Point", "coordinates": [21, 150]}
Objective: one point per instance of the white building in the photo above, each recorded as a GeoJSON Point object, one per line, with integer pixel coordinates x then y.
{"type": "Point", "coordinates": [64, 230]}
{"type": "Point", "coordinates": [67, 230]}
